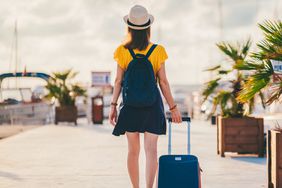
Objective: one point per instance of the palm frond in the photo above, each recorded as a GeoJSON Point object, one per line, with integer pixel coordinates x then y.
{"type": "Point", "coordinates": [246, 47]}
{"type": "Point", "coordinates": [229, 50]}
{"type": "Point", "coordinates": [235, 52]}
{"type": "Point", "coordinates": [272, 32]}
{"type": "Point", "coordinates": [271, 46]}
{"type": "Point", "coordinates": [224, 71]}
{"type": "Point", "coordinates": [276, 92]}
{"type": "Point", "coordinates": [210, 88]}
{"type": "Point", "coordinates": [253, 86]}
{"type": "Point", "coordinates": [248, 65]}
{"type": "Point", "coordinates": [261, 96]}
{"type": "Point", "coordinates": [78, 90]}
{"type": "Point", "coordinates": [213, 68]}
{"type": "Point", "coordinates": [222, 99]}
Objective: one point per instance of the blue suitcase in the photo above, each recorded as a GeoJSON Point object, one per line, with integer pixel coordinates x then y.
{"type": "Point", "coordinates": [179, 171]}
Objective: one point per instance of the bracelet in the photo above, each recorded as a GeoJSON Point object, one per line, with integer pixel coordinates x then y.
{"type": "Point", "coordinates": [114, 104]}
{"type": "Point", "coordinates": [172, 108]}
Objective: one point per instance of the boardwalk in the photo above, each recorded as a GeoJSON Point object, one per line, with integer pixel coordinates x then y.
{"type": "Point", "coordinates": [90, 157]}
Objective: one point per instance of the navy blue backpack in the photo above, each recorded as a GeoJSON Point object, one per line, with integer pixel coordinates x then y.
{"type": "Point", "coordinates": [139, 86]}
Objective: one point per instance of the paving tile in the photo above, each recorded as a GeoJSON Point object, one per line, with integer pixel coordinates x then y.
{"type": "Point", "coordinates": [89, 156]}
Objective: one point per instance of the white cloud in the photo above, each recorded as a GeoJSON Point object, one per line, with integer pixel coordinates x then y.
{"type": "Point", "coordinates": [83, 34]}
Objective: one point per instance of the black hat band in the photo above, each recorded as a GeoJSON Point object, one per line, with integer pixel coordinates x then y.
{"type": "Point", "coordinates": [144, 25]}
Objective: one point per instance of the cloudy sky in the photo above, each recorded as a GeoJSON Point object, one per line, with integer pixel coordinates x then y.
{"type": "Point", "coordinates": [82, 34]}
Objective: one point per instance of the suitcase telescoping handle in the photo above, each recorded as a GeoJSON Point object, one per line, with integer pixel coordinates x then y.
{"type": "Point", "coordinates": [188, 120]}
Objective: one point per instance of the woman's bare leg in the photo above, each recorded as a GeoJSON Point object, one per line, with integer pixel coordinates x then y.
{"type": "Point", "coordinates": [133, 158]}
{"type": "Point", "coordinates": [150, 144]}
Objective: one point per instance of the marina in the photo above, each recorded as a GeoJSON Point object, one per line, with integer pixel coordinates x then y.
{"type": "Point", "coordinates": [22, 105]}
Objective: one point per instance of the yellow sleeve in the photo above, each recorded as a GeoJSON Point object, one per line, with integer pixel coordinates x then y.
{"type": "Point", "coordinates": [119, 57]}
{"type": "Point", "coordinates": [161, 56]}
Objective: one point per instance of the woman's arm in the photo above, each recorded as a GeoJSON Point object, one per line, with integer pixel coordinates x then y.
{"type": "Point", "coordinates": [117, 84]}
{"type": "Point", "coordinates": [165, 88]}
{"type": "Point", "coordinates": [116, 93]}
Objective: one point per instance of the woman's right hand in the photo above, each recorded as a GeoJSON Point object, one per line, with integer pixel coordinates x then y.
{"type": "Point", "coordinates": [113, 115]}
{"type": "Point", "coordinates": [176, 116]}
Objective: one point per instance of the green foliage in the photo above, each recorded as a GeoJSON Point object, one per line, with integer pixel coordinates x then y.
{"type": "Point", "coordinates": [223, 99]}
{"type": "Point", "coordinates": [236, 52]}
{"type": "Point", "coordinates": [271, 46]}
{"type": "Point", "coordinates": [60, 88]}
{"type": "Point", "coordinates": [276, 92]}
{"type": "Point", "coordinates": [226, 98]}
{"type": "Point", "coordinates": [213, 68]}
{"type": "Point", "coordinates": [269, 49]}
{"type": "Point", "coordinates": [248, 65]}
{"type": "Point", "coordinates": [210, 87]}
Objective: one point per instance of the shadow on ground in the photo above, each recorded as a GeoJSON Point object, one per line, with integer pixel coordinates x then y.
{"type": "Point", "coordinates": [9, 175]}
{"type": "Point", "coordinates": [250, 159]}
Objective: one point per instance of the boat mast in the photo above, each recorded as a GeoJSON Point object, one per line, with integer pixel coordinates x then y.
{"type": "Point", "coordinates": [16, 51]}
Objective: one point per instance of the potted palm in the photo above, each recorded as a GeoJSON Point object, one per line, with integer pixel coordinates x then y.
{"type": "Point", "coordinates": [236, 130]}
{"type": "Point", "coordinates": [266, 78]}
{"type": "Point", "coordinates": [60, 87]}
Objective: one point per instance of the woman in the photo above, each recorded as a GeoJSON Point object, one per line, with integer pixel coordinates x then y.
{"type": "Point", "coordinates": [149, 120]}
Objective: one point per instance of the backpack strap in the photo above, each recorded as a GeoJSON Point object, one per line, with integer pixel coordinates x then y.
{"type": "Point", "coordinates": [132, 53]}
{"type": "Point", "coordinates": [151, 50]}
{"type": "Point", "coordinates": [148, 53]}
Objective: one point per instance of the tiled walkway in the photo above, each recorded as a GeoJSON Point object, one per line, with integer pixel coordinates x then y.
{"type": "Point", "coordinates": [88, 156]}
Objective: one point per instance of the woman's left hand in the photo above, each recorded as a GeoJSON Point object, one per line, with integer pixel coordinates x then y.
{"type": "Point", "coordinates": [176, 116]}
{"type": "Point", "coordinates": [113, 115]}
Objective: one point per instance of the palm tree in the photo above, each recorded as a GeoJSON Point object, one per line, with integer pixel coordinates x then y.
{"type": "Point", "coordinates": [269, 49]}
{"type": "Point", "coordinates": [60, 87]}
{"type": "Point", "coordinates": [226, 97]}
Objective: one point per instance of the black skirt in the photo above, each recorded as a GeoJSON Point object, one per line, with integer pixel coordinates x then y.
{"type": "Point", "coordinates": [146, 119]}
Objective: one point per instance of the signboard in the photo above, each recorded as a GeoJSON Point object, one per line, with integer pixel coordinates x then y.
{"type": "Point", "coordinates": [100, 79]}
{"type": "Point", "coordinates": [277, 66]}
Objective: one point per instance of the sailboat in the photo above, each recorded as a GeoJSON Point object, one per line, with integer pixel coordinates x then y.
{"type": "Point", "coordinates": [20, 105]}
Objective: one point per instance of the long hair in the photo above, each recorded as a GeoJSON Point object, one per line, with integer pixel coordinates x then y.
{"type": "Point", "coordinates": [138, 39]}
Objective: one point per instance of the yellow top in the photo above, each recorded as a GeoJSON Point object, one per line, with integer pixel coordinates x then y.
{"type": "Point", "coordinates": [157, 58]}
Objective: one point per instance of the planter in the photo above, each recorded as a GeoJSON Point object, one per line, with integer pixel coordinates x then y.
{"type": "Point", "coordinates": [66, 114]}
{"type": "Point", "coordinates": [242, 135]}
{"type": "Point", "coordinates": [274, 159]}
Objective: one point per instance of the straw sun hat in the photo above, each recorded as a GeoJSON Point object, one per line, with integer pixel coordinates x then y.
{"type": "Point", "coordinates": [138, 18]}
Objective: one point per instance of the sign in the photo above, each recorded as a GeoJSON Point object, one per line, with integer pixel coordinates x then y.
{"type": "Point", "coordinates": [101, 79]}
{"type": "Point", "coordinates": [277, 66]}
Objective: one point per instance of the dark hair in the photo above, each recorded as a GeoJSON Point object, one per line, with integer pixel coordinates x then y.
{"type": "Point", "coordinates": [138, 39]}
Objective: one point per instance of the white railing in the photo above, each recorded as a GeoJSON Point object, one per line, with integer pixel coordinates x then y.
{"type": "Point", "coordinates": [33, 113]}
